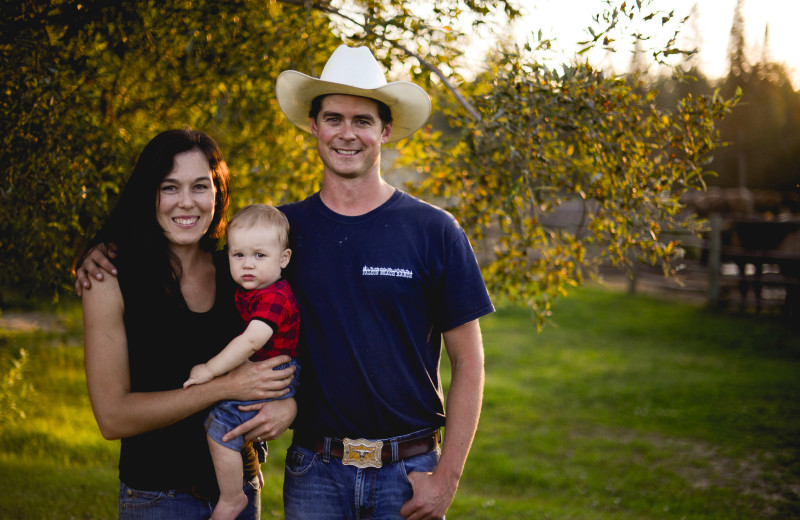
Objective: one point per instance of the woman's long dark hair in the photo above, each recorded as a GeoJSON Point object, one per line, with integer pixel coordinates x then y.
{"type": "Point", "coordinates": [133, 226]}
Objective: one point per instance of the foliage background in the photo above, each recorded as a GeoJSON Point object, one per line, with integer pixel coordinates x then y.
{"type": "Point", "coordinates": [85, 84]}
{"type": "Point", "coordinates": [90, 82]}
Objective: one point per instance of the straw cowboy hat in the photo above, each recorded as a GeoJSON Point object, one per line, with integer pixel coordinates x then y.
{"type": "Point", "coordinates": [355, 72]}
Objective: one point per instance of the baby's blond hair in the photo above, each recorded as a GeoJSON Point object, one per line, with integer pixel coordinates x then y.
{"type": "Point", "coordinates": [262, 215]}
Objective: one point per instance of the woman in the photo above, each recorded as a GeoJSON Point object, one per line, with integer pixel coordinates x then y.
{"type": "Point", "coordinates": [171, 307]}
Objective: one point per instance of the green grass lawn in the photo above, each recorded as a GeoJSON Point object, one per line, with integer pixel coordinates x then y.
{"type": "Point", "coordinates": [624, 407]}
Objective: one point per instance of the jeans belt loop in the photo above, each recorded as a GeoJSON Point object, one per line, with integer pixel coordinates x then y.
{"type": "Point", "coordinates": [395, 451]}
{"type": "Point", "coordinates": [326, 451]}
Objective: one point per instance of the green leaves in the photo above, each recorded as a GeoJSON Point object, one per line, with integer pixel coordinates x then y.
{"type": "Point", "coordinates": [566, 169]}
{"type": "Point", "coordinates": [86, 84]}
{"type": "Point", "coordinates": [550, 170]}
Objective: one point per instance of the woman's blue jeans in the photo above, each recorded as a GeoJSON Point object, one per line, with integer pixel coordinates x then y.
{"type": "Point", "coordinates": [317, 490]}
{"type": "Point", "coordinates": [170, 505]}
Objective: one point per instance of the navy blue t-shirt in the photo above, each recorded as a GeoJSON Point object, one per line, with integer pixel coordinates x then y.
{"type": "Point", "coordinates": [376, 292]}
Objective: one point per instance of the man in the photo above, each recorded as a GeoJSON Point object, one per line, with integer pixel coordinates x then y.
{"type": "Point", "coordinates": [381, 278]}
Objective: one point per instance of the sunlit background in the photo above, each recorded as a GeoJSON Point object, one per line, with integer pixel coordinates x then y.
{"type": "Point", "coordinates": [770, 29]}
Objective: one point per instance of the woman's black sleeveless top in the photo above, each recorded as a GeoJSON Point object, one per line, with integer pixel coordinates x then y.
{"type": "Point", "coordinates": [165, 340]}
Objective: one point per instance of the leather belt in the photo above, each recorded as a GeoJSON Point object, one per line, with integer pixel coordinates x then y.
{"type": "Point", "coordinates": [350, 450]}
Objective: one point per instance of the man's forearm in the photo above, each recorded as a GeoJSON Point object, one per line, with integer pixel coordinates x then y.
{"type": "Point", "coordinates": [464, 401]}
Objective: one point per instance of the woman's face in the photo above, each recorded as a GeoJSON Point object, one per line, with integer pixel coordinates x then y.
{"type": "Point", "coordinates": [186, 198]}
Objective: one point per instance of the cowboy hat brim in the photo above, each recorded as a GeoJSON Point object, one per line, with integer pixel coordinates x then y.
{"type": "Point", "coordinates": [409, 103]}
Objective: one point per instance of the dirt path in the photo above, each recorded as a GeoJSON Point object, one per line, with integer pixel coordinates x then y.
{"type": "Point", "coordinates": [21, 321]}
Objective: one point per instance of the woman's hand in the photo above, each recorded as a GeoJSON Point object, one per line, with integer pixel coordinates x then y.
{"type": "Point", "coordinates": [273, 418]}
{"type": "Point", "coordinates": [253, 381]}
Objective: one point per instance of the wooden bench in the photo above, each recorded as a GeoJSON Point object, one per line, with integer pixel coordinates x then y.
{"type": "Point", "coordinates": [763, 255]}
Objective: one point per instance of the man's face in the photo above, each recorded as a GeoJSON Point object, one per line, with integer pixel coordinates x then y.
{"type": "Point", "coordinates": [349, 135]}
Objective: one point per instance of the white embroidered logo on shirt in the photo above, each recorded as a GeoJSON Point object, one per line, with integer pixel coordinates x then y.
{"type": "Point", "coordinates": [386, 271]}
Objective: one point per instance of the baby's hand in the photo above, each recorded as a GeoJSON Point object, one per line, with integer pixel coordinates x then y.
{"type": "Point", "coordinates": [200, 374]}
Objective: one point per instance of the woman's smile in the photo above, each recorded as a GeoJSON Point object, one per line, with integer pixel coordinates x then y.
{"type": "Point", "coordinates": [185, 221]}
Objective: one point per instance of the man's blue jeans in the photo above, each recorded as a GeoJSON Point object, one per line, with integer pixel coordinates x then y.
{"type": "Point", "coordinates": [169, 505]}
{"type": "Point", "coordinates": [317, 490]}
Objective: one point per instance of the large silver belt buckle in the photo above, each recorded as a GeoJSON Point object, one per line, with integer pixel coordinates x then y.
{"type": "Point", "coordinates": [362, 453]}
